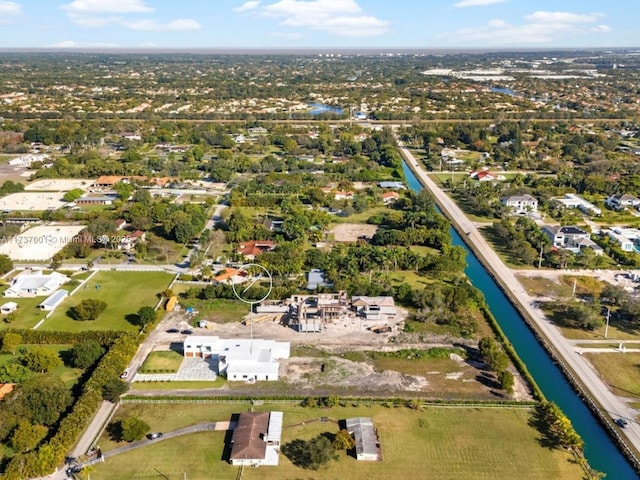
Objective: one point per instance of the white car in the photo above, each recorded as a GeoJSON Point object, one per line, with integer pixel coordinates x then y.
{"type": "Point", "coordinates": [125, 374]}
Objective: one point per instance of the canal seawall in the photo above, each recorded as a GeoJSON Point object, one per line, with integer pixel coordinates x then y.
{"type": "Point", "coordinates": [588, 399]}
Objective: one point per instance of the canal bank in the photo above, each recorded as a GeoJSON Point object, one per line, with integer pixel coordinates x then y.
{"type": "Point", "coordinates": [519, 326]}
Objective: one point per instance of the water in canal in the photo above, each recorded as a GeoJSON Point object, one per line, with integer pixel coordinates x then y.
{"type": "Point", "coordinates": [601, 452]}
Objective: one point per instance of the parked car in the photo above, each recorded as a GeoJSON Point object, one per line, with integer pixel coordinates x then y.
{"type": "Point", "coordinates": [187, 331]}
{"type": "Point", "coordinates": [173, 330]}
{"type": "Point", "coordinates": [154, 435]}
{"type": "Point", "coordinates": [125, 374]}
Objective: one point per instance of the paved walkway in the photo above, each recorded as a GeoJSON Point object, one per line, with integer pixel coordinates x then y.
{"type": "Point", "coordinates": [591, 379]}
{"type": "Point", "coordinates": [192, 369]}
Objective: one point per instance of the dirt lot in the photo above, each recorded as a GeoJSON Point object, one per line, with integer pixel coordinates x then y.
{"type": "Point", "coordinates": [350, 232]}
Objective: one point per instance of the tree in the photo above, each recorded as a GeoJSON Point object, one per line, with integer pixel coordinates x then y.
{"type": "Point", "coordinates": [492, 354]}
{"type": "Point", "coordinates": [88, 309]}
{"type": "Point", "coordinates": [40, 360]}
{"type": "Point", "coordinates": [113, 389]}
{"type": "Point", "coordinates": [133, 428]}
{"type": "Point", "coordinates": [26, 436]}
{"type": "Point", "coordinates": [85, 354]}
{"type": "Point", "coordinates": [505, 378]}
{"type": "Point", "coordinates": [311, 454]}
{"type": "Point", "coordinates": [14, 373]}
{"type": "Point", "coordinates": [10, 342]}
{"type": "Point", "coordinates": [343, 440]}
{"type": "Point", "coordinates": [145, 315]}
{"type": "Point", "coordinates": [44, 398]}
{"type": "Point", "coordinates": [6, 264]}
{"type": "Point", "coordinates": [73, 195]}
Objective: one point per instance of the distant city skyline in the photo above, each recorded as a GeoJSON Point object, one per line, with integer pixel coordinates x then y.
{"type": "Point", "coordinates": [317, 24]}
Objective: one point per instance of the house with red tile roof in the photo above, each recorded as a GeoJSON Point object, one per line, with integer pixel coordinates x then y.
{"type": "Point", "coordinates": [250, 250]}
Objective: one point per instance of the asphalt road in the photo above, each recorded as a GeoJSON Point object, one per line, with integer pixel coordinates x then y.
{"type": "Point", "coordinates": [611, 404]}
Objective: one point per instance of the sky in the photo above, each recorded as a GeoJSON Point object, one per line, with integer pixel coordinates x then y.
{"type": "Point", "coordinates": [501, 24]}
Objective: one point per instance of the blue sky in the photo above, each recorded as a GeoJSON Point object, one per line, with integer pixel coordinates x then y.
{"type": "Point", "coordinates": [318, 23]}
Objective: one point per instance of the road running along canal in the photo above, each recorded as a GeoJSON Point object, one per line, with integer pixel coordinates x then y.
{"type": "Point", "coordinates": [602, 454]}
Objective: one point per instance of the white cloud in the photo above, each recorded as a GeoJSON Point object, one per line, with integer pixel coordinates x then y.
{"type": "Point", "coordinates": [245, 7]}
{"type": "Point", "coordinates": [335, 17]}
{"type": "Point", "coordinates": [73, 44]}
{"type": "Point", "coordinates": [87, 7]}
{"type": "Point", "coordinates": [476, 3]}
{"type": "Point", "coordinates": [93, 20]}
{"type": "Point", "coordinates": [539, 28]}
{"type": "Point", "coordinates": [10, 8]}
{"type": "Point", "coordinates": [173, 26]}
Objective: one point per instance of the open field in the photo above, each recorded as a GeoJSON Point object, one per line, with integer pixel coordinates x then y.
{"type": "Point", "coordinates": [620, 371]}
{"type": "Point", "coordinates": [439, 443]}
{"type": "Point", "coordinates": [40, 243]}
{"type": "Point", "coordinates": [27, 314]}
{"type": "Point", "coordinates": [350, 232]}
{"type": "Point", "coordinates": [123, 292]}
{"type": "Point", "coordinates": [59, 184]}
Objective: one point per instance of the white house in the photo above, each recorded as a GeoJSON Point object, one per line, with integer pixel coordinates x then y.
{"type": "Point", "coordinates": [521, 203]}
{"type": "Point", "coordinates": [571, 200]}
{"type": "Point", "coordinates": [8, 307]}
{"type": "Point", "coordinates": [571, 238]}
{"type": "Point", "coordinates": [35, 284]}
{"type": "Point", "coordinates": [256, 439]}
{"type": "Point", "coordinates": [620, 202]}
{"type": "Point", "coordinates": [366, 438]}
{"type": "Point", "coordinates": [53, 300]}
{"type": "Point", "coordinates": [239, 359]}
{"type": "Point", "coordinates": [373, 308]}
{"type": "Point", "coordinates": [628, 239]}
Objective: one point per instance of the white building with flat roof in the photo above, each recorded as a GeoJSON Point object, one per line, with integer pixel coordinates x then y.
{"type": "Point", "coordinates": [35, 284]}
{"type": "Point", "coordinates": [239, 359]}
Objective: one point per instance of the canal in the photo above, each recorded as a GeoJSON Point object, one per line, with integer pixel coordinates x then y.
{"type": "Point", "coordinates": [602, 454]}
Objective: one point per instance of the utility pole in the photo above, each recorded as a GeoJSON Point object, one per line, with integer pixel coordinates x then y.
{"type": "Point", "coordinates": [540, 258]}
{"type": "Point", "coordinates": [606, 326]}
{"type": "Point", "coordinates": [575, 281]}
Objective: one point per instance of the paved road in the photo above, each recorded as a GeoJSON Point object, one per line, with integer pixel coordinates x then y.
{"type": "Point", "coordinates": [611, 404]}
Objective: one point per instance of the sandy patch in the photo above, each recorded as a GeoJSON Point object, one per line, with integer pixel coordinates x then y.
{"type": "Point", "coordinates": [350, 232]}
{"type": "Point", "coordinates": [40, 243]}
{"type": "Point", "coordinates": [32, 201]}
{"type": "Point", "coordinates": [59, 185]}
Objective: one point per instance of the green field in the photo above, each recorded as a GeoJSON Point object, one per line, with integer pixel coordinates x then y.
{"type": "Point", "coordinates": [620, 371]}
{"type": "Point", "coordinates": [165, 361]}
{"type": "Point", "coordinates": [438, 443]}
{"type": "Point", "coordinates": [123, 292]}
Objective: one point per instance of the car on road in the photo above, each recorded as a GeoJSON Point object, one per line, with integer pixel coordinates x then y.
{"type": "Point", "coordinates": [187, 331]}
{"type": "Point", "coordinates": [622, 423]}
{"type": "Point", "coordinates": [173, 330]}
{"type": "Point", "coordinates": [154, 435]}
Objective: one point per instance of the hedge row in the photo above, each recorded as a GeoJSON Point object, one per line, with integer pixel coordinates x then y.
{"type": "Point", "coordinates": [522, 368]}
{"type": "Point", "coordinates": [43, 337]}
{"type": "Point", "coordinates": [52, 454]}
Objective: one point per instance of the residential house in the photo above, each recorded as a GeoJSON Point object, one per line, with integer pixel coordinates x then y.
{"type": "Point", "coordinates": [120, 223]}
{"type": "Point", "coordinates": [373, 308]}
{"type": "Point", "coordinates": [343, 195]}
{"type": "Point", "coordinates": [571, 200]}
{"type": "Point", "coordinates": [129, 241]}
{"type": "Point", "coordinates": [520, 204]}
{"type": "Point", "coordinates": [53, 300]}
{"type": "Point", "coordinates": [227, 275]}
{"type": "Point", "coordinates": [250, 250]}
{"type": "Point", "coordinates": [628, 239]}
{"type": "Point", "coordinates": [256, 439]}
{"type": "Point", "coordinates": [571, 238]}
{"type": "Point", "coordinates": [316, 279]}
{"type": "Point", "coordinates": [390, 197]}
{"type": "Point", "coordinates": [624, 243]}
{"type": "Point", "coordinates": [367, 444]}
{"type": "Point", "coordinates": [273, 225]}
{"type": "Point", "coordinates": [35, 284]}
{"type": "Point", "coordinates": [486, 176]}
{"type": "Point", "coordinates": [622, 201]}
{"type": "Point", "coordinates": [257, 131]}
{"type": "Point", "coordinates": [239, 359]}
{"type": "Point", "coordinates": [392, 185]}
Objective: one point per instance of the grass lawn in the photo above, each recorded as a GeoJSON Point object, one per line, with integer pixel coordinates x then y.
{"type": "Point", "coordinates": [165, 361]}
{"type": "Point", "coordinates": [68, 375]}
{"type": "Point", "coordinates": [411, 277]}
{"type": "Point", "coordinates": [185, 385]}
{"type": "Point", "coordinates": [620, 371]}
{"type": "Point", "coordinates": [27, 314]}
{"type": "Point", "coordinates": [217, 310]}
{"type": "Point", "coordinates": [362, 217]}
{"type": "Point", "coordinates": [439, 443]}
{"type": "Point", "coordinates": [123, 292]}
